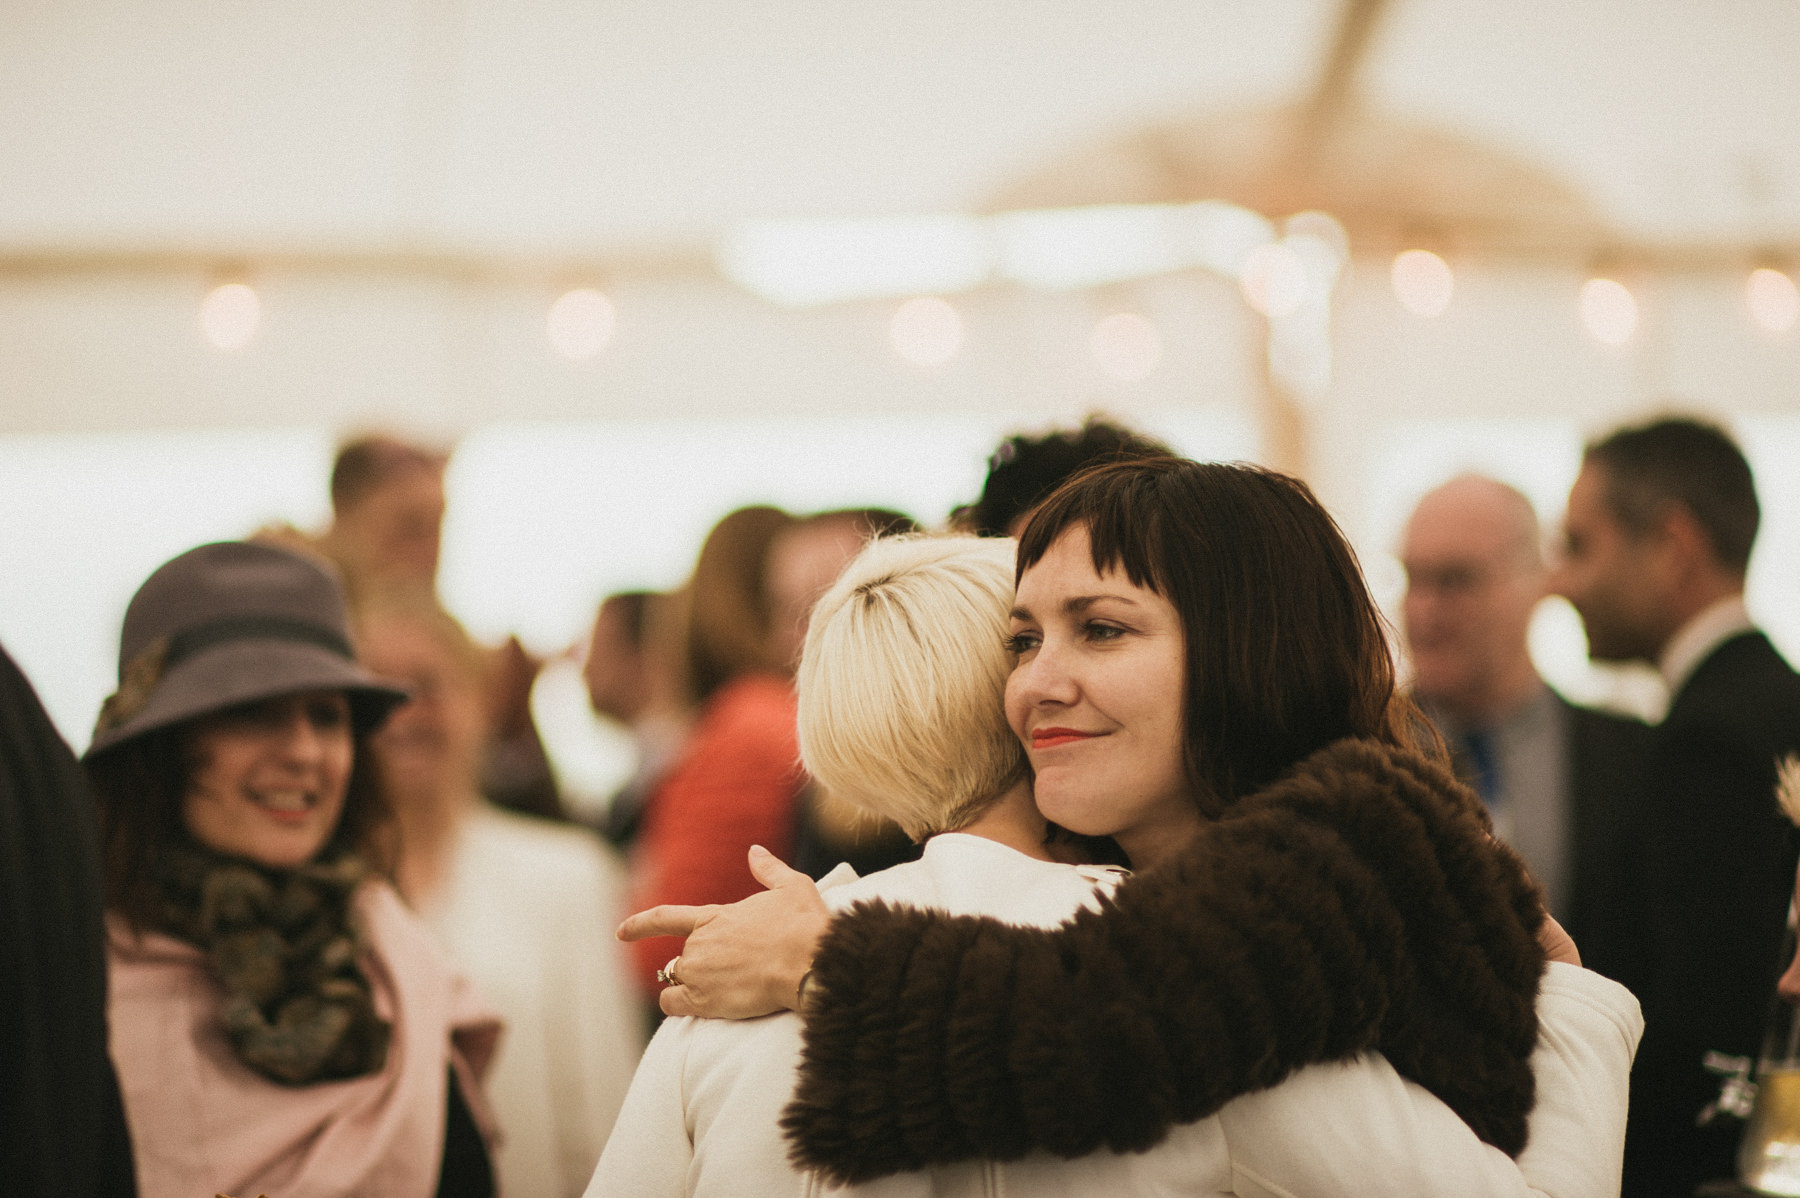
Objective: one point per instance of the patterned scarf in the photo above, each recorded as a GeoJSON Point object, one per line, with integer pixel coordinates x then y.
{"type": "Point", "coordinates": [283, 944]}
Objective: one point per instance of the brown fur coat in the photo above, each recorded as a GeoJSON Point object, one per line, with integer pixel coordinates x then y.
{"type": "Point", "coordinates": [1359, 903]}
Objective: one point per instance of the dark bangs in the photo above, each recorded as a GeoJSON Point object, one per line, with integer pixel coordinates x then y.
{"type": "Point", "coordinates": [1119, 505]}
{"type": "Point", "coordinates": [1284, 650]}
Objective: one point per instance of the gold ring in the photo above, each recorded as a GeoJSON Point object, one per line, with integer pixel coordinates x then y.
{"type": "Point", "coordinates": [666, 975]}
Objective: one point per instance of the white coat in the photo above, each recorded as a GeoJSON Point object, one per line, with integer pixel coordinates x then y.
{"type": "Point", "coordinates": [702, 1116]}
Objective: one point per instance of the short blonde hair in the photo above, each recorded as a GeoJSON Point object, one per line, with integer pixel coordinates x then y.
{"type": "Point", "coordinates": [902, 681]}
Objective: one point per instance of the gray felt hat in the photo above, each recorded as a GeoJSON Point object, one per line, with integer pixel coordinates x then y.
{"type": "Point", "coordinates": [233, 623]}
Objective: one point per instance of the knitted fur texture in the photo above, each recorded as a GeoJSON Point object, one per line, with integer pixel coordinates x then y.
{"type": "Point", "coordinates": [1360, 903]}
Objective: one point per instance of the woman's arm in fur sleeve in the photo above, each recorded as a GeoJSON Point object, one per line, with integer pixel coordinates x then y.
{"type": "Point", "coordinates": [1354, 905]}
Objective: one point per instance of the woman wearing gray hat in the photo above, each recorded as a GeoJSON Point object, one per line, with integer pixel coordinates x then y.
{"type": "Point", "coordinates": [280, 1022]}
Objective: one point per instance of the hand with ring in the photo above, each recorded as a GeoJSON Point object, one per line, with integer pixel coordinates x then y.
{"type": "Point", "coordinates": [745, 959]}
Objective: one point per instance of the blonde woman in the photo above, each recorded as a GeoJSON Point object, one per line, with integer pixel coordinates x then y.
{"type": "Point", "coordinates": [900, 710]}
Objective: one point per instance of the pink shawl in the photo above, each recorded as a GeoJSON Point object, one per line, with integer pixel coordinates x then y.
{"type": "Point", "coordinates": [203, 1123]}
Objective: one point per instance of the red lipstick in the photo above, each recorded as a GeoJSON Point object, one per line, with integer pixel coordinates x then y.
{"type": "Point", "coordinates": [1050, 738]}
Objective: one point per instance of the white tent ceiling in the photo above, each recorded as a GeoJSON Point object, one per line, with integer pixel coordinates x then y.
{"type": "Point", "coordinates": [629, 127]}
{"type": "Point", "coordinates": [410, 181]}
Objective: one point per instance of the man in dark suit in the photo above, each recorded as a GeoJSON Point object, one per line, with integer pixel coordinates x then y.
{"type": "Point", "coordinates": [1657, 541]}
{"type": "Point", "coordinates": [1550, 772]}
{"type": "Point", "coordinates": [62, 1125]}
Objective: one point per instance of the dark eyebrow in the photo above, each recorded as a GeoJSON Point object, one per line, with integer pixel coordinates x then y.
{"type": "Point", "coordinates": [1077, 604]}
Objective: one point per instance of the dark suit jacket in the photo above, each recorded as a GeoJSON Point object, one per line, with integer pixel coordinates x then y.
{"type": "Point", "coordinates": [1607, 756]}
{"type": "Point", "coordinates": [62, 1128]}
{"type": "Point", "coordinates": [1602, 761]}
{"type": "Point", "coordinates": [1698, 905]}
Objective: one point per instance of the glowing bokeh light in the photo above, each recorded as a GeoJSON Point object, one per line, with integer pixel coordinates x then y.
{"type": "Point", "coordinates": [580, 323]}
{"type": "Point", "coordinates": [926, 330]}
{"type": "Point", "coordinates": [230, 314]}
{"type": "Point", "coordinates": [1274, 279]}
{"type": "Point", "coordinates": [1126, 346]}
{"type": "Point", "coordinates": [1320, 239]}
{"type": "Point", "coordinates": [1772, 299]}
{"type": "Point", "coordinates": [1422, 282]}
{"type": "Point", "coordinates": [1609, 310]}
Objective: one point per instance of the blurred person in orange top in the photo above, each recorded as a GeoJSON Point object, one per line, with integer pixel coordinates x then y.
{"type": "Point", "coordinates": [737, 778]}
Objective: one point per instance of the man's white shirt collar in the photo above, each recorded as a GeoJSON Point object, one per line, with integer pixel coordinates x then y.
{"type": "Point", "coordinates": [1710, 627]}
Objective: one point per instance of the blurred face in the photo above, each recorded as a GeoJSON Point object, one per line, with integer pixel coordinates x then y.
{"type": "Point", "coordinates": [614, 669]}
{"type": "Point", "coordinates": [803, 563]}
{"type": "Point", "coordinates": [268, 779]}
{"type": "Point", "coordinates": [398, 527]}
{"type": "Point", "coordinates": [1471, 588]}
{"type": "Point", "coordinates": [432, 743]}
{"type": "Point", "coordinates": [1096, 698]}
{"type": "Point", "coordinates": [1614, 578]}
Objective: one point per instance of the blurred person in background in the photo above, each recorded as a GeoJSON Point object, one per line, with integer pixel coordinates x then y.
{"type": "Point", "coordinates": [738, 777]}
{"type": "Point", "coordinates": [803, 563]}
{"type": "Point", "coordinates": [1555, 777]}
{"type": "Point", "coordinates": [1028, 466]}
{"type": "Point", "coordinates": [633, 676]}
{"type": "Point", "coordinates": [62, 1124]}
{"type": "Point", "coordinates": [281, 1022]}
{"type": "Point", "coordinates": [387, 513]}
{"type": "Point", "coordinates": [521, 904]}
{"type": "Point", "coordinates": [386, 535]}
{"type": "Point", "coordinates": [1657, 541]}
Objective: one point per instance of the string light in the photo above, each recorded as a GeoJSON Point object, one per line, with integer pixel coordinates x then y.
{"type": "Point", "coordinates": [229, 315]}
{"type": "Point", "coordinates": [1609, 310]}
{"type": "Point", "coordinates": [1772, 299]}
{"type": "Point", "coordinates": [1126, 346]}
{"type": "Point", "coordinates": [580, 323]}
{"type": "Point", "coordinates": [1423, 282]}
{"type": "Point", "coordinates": [926, 330]}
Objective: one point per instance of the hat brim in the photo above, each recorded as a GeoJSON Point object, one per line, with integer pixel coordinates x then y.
{"type": "Point", "coordinates": [238, 672]}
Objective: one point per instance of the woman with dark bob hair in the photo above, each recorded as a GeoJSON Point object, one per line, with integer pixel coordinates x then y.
{"type": "Point", "coordinates": [1200, 677]}
{"type": "Point", "coordinates": [279, 1021]}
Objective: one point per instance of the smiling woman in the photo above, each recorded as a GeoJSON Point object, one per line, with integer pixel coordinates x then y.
{"type": "Point", "coordinates": [1096, 694]}
{"type": "Point", "coordinates": [279, 1021]}
{"type": "Point", "coordinates": [267, 780]}
{"type": "Point", "coordinates": [1201, 674]}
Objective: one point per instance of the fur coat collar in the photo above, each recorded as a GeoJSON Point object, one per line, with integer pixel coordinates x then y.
{"type": "Point", "coordinates": [1359, 903]}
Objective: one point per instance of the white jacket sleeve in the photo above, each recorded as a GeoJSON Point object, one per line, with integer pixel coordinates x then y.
{"type": "Point", "coordinates": [702, 1119]}
{"type": "Point", "coordinates": [1588, 1030]}
{"type": "Point", "coordinates": [1357, 1128]}
{"type": "Point", "coordinates": [593, 1024]}
{"type": "Point", "coordinates": [651, 1149]}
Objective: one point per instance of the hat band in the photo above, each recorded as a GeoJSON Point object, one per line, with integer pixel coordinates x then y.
{"type": "Point", "coordinates": [254, 628]}
{"type": "Point", "coordinates": [139, 677]}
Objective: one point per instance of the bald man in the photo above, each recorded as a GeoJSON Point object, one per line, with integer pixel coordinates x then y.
{"type": "Point", "coordinates": [1553, 774]}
